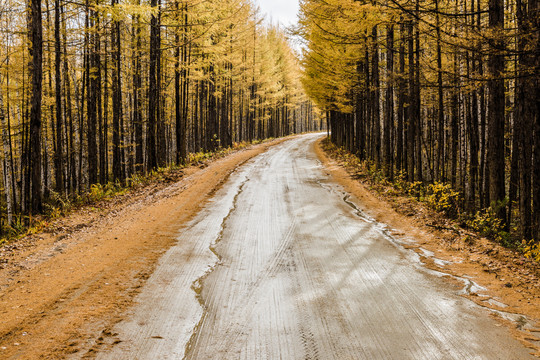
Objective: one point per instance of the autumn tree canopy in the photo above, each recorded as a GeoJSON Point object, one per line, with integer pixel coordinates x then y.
{"type": "Point", "coordinates": [441, 91]}
{"type": "Point", "coordinates": [96, 92]}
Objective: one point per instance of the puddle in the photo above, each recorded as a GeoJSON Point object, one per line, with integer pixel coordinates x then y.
{"type": "Point", "coordinates": [427, 253]}
{"type": "Point", "coordinates": [471, 288]}
{"type": "Point", "coordinates": [494, 302]}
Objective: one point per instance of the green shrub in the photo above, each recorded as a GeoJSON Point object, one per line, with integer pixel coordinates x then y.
{"type": "Point", "coordinates": [487, 224]}
{"type": "Point", "coordinates": [400, 181]}
{"type": "Point", "coordinates": [416, 189]}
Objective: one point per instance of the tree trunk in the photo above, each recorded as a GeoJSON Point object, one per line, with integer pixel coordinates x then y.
{"type": "Point", "coordinates": [137, 84]}
{"type": "Point", "coordinates": [389, 102]}
{"type": "Point", "coordinates": [439, 163]}
{"type": "Point", "coordinates": [116, 89]}
{"type": "Point", "coordinates": [411, 113]}
{"type": "Point", "coordinates": [59, 155]}
{"type": "Point", "coordinates": [496, 109]}
{"type": "Point", "coordinates": [153, 99]}
{"type": "Point", "coordinates": [161, 142]}
{"type": "Point", "coordinates": [36, 72]}
{"type": "Point", "coordinates": [375, 97]}
{"type": "Point", "coordinates": [92, 95]}
{"type": "Point", "coordinates": [7, 164]}
{"type": "Point", "coordinates": [402, 94]}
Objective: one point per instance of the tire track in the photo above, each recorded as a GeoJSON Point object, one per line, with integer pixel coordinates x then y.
{"type": "Point", "coordinates": [302, 273]}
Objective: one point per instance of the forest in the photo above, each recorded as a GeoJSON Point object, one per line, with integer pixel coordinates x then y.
{"type": "Point", "coordinates": [95, 92]}
{"type": "Point", "coordinates": [442, 92]}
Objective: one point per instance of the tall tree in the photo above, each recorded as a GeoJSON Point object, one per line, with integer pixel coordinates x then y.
{"type": "Point", "coordinates": [153, 91]}
{"type": "Point", "coordinates": [496, 107]}
{"type": "Point", "coordinates": [59, 154]}
{"type": "Point", "coordinates": [116, 88]}
{"type": "Point", "coordinates": [36, 72]}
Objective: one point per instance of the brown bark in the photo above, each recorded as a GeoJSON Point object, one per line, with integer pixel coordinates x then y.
{"type": "Point", "coordinates": [36, 72]}
{"type": "Point", "coordinates": [496, 109]}
{"type": "Point", "coordinates": [118, 161]}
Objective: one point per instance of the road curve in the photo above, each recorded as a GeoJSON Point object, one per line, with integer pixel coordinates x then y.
{"type": "Point", "coordinates": [281, 265]}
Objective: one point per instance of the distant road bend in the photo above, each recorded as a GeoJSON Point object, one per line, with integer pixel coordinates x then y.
{"type": "Point", "coordinates": [279, 266]}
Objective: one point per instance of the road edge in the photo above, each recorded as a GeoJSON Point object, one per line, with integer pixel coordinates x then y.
{"type": "Point", "coordinates": [400, 224]}
{"type": "Point", "coordinates": [54, 309]}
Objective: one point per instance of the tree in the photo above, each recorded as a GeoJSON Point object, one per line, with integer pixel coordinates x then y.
{"type": "Point", "coordinates": [35, 32]}
{"type": "Point", "coordinates": [446, 126]}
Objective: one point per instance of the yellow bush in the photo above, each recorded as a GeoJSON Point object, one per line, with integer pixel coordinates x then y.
{"type": "Point", "coordinates": [489, 225]}
{"type": "Point", "coordinates": [416, 189]}
{"type": "Point", "coordinates": [442, 197]}
{"type": "Point", "coordinates": [531, 250]}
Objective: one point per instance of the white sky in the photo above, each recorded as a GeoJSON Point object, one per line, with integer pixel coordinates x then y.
{"type": "Point", "coordinates": [282, 11]}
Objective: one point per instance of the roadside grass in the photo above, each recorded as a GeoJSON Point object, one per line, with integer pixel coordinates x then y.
{"type": "Point", "coordinates": [438, 196]}
{"type": "Point", "coordinates": [57, 206]}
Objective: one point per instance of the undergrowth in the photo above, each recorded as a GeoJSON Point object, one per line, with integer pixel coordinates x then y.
{"type": "Point", "coordinates": [438, 196]}
{"type": "Point", "coordinates": [58, 205]}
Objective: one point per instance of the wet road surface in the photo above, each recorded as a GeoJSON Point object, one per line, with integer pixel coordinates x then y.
{"type": "Point", "coordinates": [280, 265]}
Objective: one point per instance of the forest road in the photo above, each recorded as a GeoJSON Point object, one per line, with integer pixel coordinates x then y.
{"type": "Point", "coordinates": [280, 264]}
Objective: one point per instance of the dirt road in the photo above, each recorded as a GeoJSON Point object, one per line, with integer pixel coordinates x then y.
{"type": "Point", "coordinates": [281, 264]}
{"type": "Point", "coordinates": [62, 290]}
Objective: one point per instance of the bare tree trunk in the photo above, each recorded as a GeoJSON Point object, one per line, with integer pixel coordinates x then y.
{"type": "Point", "coordinates": [389, 102]}
{"type": "Point", "coordinates": [525, 117]}
{"type": "Point", "coordinates": [177, 90]}
{"type": "Point", "coordinates": [411, 113]}
{"type": "Point", "coordinates": [534, 9]}
{"type": "Point", "coordinates": [137, 84]}
{"type": "Point", "coordinates": [59, 155]}
{"type": "Point", "coordinates": [375, 97]}
{"type": "Point", "coordinates": [8, 171]}
{"type": "Point", "coordinates": [118, 161]}
{"type": "Point", "coordinates": [401, 154]}
{"type": "Point", "coordinates": [439, 163]}
{"type": "Point", "coordinates": [36, 72]}
{"type": "Point", "coordinates": [496, 108]}
{"type": "Point", "coordinates": [70, 135]}
{"type": "Point", "coordinates": [161, 142]}
{"type": "Point", "coordinates": [92, 85]}
{"type": "Point", "coordinates": [417, 99]}
{"type": "Point", "coordinates": [153, 97]}
{"type": "Point", "coordinates": [104, 119]}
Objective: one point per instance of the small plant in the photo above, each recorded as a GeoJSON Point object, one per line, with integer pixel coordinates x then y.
{"type": "Point", "coordinates": [417, 189]}
{"type": "Point", "coordinates": [99, 192]}
{"type": "Point", "coordinates": [376, 174]}
{"type": "Point", "coordinates": [442, 197]}
{"type": "Point", "coordinates": [199, 157]}
{"type": "Point", "coordinates": [487, 224]}
{"type": "Point", "coordinates": [400, 181]}
{"type": "Point", "coordinates": [530, 249]}
{"type": "Point", "coordinates": [56, 205]}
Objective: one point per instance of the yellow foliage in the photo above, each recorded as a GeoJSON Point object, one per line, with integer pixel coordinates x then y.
{"type": "Point", "coordinates": [442, 197]}
{"type": "Point", "coordinates": [531, 250]}
{"type": "Point", "coordinates": [488, 224]}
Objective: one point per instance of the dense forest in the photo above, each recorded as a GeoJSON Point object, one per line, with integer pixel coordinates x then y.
{"type": "Point", "coordinates": [433, 92]}
{"type": "Point", "coordinates": [436, 92]}
{"type": "Point", "coordinates": [93, 92]}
